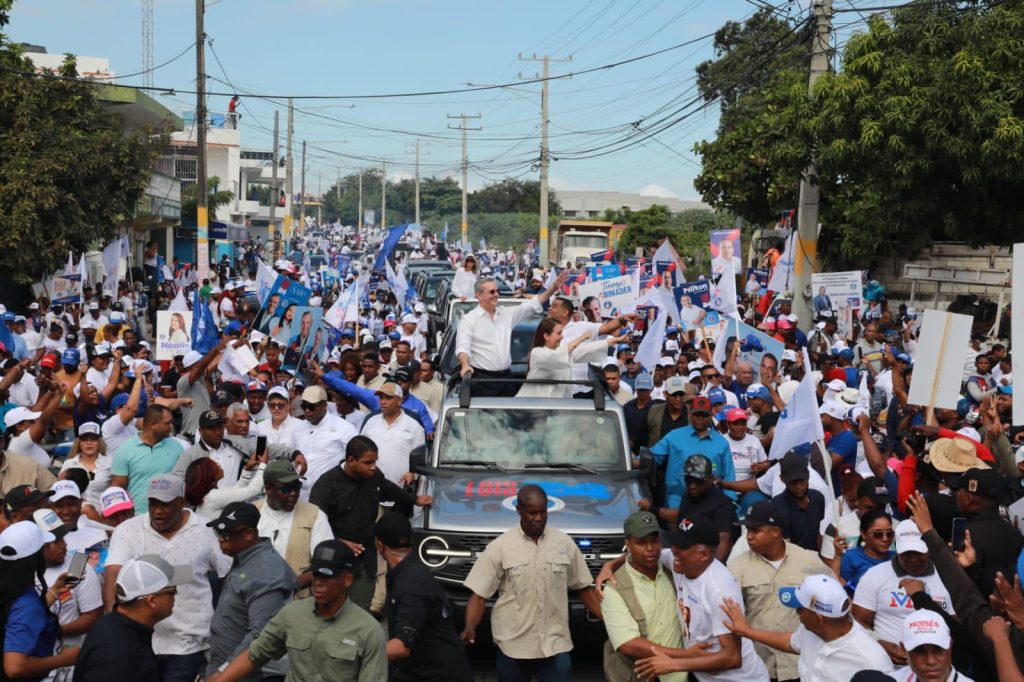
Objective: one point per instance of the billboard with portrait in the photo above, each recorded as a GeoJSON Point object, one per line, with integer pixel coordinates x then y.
{"type": "Point", "coordinates": [173, 333]}
{"type": "Point", "coordinates": [725, 247]}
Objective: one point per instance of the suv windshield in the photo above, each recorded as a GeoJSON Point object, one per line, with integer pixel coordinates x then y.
{"type": "Point", "coordinates": [521, 438]}
{"type": "Point", "coordinates": [574, 241]}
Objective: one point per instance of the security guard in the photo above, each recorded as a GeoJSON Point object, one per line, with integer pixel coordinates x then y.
{"type": "Point", "coordinates": [327, 638]}
{"type": "Point", "coordinates": [423, 643]}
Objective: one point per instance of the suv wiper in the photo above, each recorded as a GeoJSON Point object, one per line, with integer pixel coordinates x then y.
{"type": "Point", "coordinates": [493, 466]}
{"type": "Point", "coordinates": [562, 465]}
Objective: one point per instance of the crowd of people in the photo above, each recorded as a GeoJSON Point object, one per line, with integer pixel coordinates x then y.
{"type": "Point", "coordinates": [213, 522]}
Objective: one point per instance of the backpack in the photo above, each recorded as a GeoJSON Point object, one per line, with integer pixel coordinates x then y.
{"type": "Point", "coordinates": [619, 667]}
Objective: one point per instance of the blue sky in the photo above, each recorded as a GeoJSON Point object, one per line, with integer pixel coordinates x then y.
{"type": "Point", "coordinates": [355, 47]}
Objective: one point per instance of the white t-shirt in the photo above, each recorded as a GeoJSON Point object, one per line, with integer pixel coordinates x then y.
{"type": "Point", "coordinates": [115, 433]}
{"type": "Point", "coordinates": [879, 590]}
{"type": "Point", "coordinates": [86, 596]}
{"type": "Point", "coordinates": [25, 393]}
{"type": "Point", "coordinates": [97, 378]}
{"type": "Point", "coordinates": [323, 446]}
{"type": "Point", "coordinates": [417, 344]}
{"type": "Point", "coordinates": [745, 452]}
{"type": "Point", "coordinates": [22, 444]}
{"type": "Point", "coordinates": [394, 443]}
{"type": "Point", "coordinates": [700, 616]}
{"type": "Point", "coordinates": [283, 435]}
{"type": "Point", "coordinates": [840, 659]}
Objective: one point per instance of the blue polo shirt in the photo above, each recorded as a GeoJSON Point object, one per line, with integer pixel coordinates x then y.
{"type": "Point", "coordinates": [30, 630]}
{"type": "Point", "coordinates": [678, 445]}
{"type": "Point", "coordinates": [140, 463]}
{"type": "Point", "coordinates": [843, 444]}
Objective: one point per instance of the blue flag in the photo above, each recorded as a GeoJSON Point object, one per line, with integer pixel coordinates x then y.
{"type": "Point", "coordinates": [6, 338]}
{"type": "Point", "coordinates": [444, 233]}
{"type": "Point", "coordinates": [204, 329]}
{"type": "Point", "coordinates": [394, 234]}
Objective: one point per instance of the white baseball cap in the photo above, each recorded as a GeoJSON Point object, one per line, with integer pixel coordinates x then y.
{"type": "Point", "coordinates": [419, 307]}
{"type": "Point", "coordinates": [23, 539]}
{"type": "Point", "coordinates": [49, 522]}
{"type": "Point", "coordinates": [191, 358]}
{"type": "Point", "coordinates": [409, 318]}
{"type": "Point", "coordinates": [147, 575]}
{"type": "Point", "coordinates": [789, 355]}
{"type": "Point", "coordinates": [62, 489]}
{"type": "Point", "coordinates": [666, 362]}
{"type": "Point", "coordinates": [908, 538]}
{"type": "Point", "coordinates": [20, 414]}
{"type": "Point", "coordinates": [970, 432]}
{"type": "Point", "coordinates": [925, 627]}
{"type": "Point", "coordinates": [833, 409]}
{"type": "Point", "coordinates": [821, 594]}
{"type": "Point", "coordinates": [837, 385]}
{"type": "Point", "coordinates": [278, 391]}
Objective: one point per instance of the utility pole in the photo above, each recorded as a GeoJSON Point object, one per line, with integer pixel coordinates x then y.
{"type": "Point", "coordinates": [359, 216]}
{"type": "Point", "coordinates": [383, 192]}
{"type": "Point", "coordinates": [275, 192]}
{"type": "Point", "coordinates": [417, 181]}
{"type": "Point", "coordinates": [320, 195]}
{"type": "Point", "coordinates": [465, 170]}
{"type": "Point", "coordinates": [337, 169]}
{"type": "Point", "coordinates": [805, 260]}
{"type": "Point", "coordinates": [289, 176]}
{"type": "Point", "coordinates": [545, 155]}
{"type": "Point", "coordinates": [302, 189]}
{"type": "Point", "coordinates": [202, 215]}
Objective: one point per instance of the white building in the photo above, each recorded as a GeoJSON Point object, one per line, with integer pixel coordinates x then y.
{"type": "Point", "coordinates": [592, 204]}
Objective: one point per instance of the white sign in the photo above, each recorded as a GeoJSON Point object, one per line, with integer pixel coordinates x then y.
{"type": "Point", "coordinates": [616, 295]}
{"type": "Point", "coordinates": [831, 291]}
{"type": "Point", "coordinates": [173, 333]}
{"type": "Point", "coordinates": [939, 361]}
{"type": "Point", "coordinates": [1017, 322]}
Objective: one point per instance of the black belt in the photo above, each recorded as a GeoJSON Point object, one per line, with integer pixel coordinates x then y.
{"type": "Point", "coordinates": [485, 373]}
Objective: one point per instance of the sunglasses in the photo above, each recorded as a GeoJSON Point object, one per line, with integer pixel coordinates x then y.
{"type": "Point", "coordinates": [712, 376]}
{"type": "Point", "coordinates": [277, 406]}
{"type": "Point", "coordinates": [883, 533]}
{"type": "Point", "coordinates": [309, 407]}
{"type": "Point", "coordinates": [706, 415]}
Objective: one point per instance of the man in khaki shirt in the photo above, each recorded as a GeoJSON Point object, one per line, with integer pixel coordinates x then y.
{"type": "Point", "coordinates": [16, 470]}
{"type": "Point", "coordinates": [532, 568]}
{"type": "Point", "coordinates": [772, 563]}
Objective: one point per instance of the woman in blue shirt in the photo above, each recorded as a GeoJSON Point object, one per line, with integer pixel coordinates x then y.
{"type": "Point", "coordinates": [876, 536]}
{"type": "Point", "coordinates": [30, 629]}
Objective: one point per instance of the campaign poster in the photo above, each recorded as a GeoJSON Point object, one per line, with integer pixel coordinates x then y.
{"type": "Point", "coordinates": [645, 317]}
{"type": "Point", "coordinates": [669, 273]}
{"type": "Point", "coordinates": [834, 290]}
{"type": "Point", "coordinates": [173, 333]}
{"type": "Point", "coordinates": [754, 346]}
{"type": "Point", "coordinates": [66, 289]}
{"type": "Point", "coordinates": [757, 282]}
{"type": "Point", "coordinates": [616, 295]}
{"type": "Point", "coordinates": [725, 248]}
{"type": "Point", "coordinates": [276, 316]}
{"type": "Point", "coordinates": [304, 335]}
{"type": "Point", "coordinates": [693, 299]}
{"type": "Point", "coordinates": [598, 272]}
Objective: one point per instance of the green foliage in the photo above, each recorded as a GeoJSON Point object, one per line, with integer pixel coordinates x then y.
{"type": "Point", "coordinates": [919, 136]}
{"type": "Point", "coordinates": [215, 198]}
{"type": "Point", "coordinates": [69, 173]}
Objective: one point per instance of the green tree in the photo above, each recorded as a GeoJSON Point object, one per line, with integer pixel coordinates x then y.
{"type": "Point", "coordinates": [69, 171]}
{"type": "Point", "coordinates": [687, 230]}
{"type": "Point", "coordinates": [215, 198]}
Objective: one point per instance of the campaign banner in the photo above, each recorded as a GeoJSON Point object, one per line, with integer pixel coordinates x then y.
{"type": "Point", "coordinates": [173, 333]}
{"type": "Point", "coordinates": [645, 317]}
{"type": "Point", "coordinates": [65, 289]}
{"type": "Point", "coordinates": [668, 272]}
{"type": "Point", "coordinates": [693, 299]}
{"type": "Point", "coordinates": [605, 256]}
{"type": "Point", "coordinates": [754, 346]}
{"type": "Point", "coordinates": [304, 335]}
{"type": "Point", "coordinates": [757, 282]}
{"type": "Point", "coordinates": [634, 261]}
{"type": "Point", "coordinates": [725, 249]}
{"type": "Point", "coordinates": [275, 318]}
{"type": "Point", "coordinates": [833, 290]}
{"type": "Point", "coordinates": [616, 295]}
{"type": "Point", "coordinates": [596, 273]}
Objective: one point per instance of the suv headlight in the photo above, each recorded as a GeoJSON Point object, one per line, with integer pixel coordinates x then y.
{"type": "Point", "coordinates": [434, 552]}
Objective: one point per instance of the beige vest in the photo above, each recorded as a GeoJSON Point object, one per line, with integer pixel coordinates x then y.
{"type": "Point", "coordinates": [296, 554]}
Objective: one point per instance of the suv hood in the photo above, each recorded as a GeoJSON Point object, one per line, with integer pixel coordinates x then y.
{"type": "Point", "coordinates": [576, 503]}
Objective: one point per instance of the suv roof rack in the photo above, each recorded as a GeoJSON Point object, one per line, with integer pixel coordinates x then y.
{"type": "Point", "coordinates": [595, 381]}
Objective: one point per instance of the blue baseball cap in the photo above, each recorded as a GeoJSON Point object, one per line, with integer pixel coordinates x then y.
{"type": "Point", "coordinates": [233, 327]}
{"type": "Point", "coordinates": [7, 317]}
{"type": "Point", "coordinates": [672, 330]}
{"type": "Point", "coordinates": [758, 391]}
{"type": "Point", "coordinates": [722, 415]}
{"type": "Point", "coordinates": [644, 382]}
{"type": "Point", "coordinates": [717, 395]}
{"type": "Point", "coordinates": [845, 353]}
{"type": "Point", "coordinates": [348, 334]}
{"type": "Point", "coordinates": [70, 357]}
{"type": "Point", "coordinates": [904, 358]}
{"type": "Point", "coordinates": [1008, 390]}
{"type": "Point", "coordinates": [119, 401]}
{"type": "Point", "coordinates": [395, 336]}
{"type": "Point", "coordinates": [963, 406]}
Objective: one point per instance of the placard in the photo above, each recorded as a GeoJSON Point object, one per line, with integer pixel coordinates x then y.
{"type": "Point", "coordinates": [725, 247]}
{"type": "Point", "coordinates": [757, 282]}
{"type": "Point", "coordinates": [833, 290]}
{"type": "Point", "coordinates": [616, 295]}
{"type": "Point", "coordinates": [939, 359]}
{"type": "Point", "coordinates": [173, 333]}
{"type": "Point", "coordinates": [693, 298]}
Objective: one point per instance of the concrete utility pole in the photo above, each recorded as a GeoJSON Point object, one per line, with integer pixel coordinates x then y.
{"type": "Point", "coordinates": [465, 170]}
{"type": "Point", "coordinates": [545, 155]}
{"type": "Point", "coordinates": [302, 189]}
{"type": "Point", "coordinates": [289, 175]}
{"type": "Point", "coordinates": [337, 169]}
{"type": "Point", "coordinates": [383, 192]}
{"type": "Point", "coordinates": [359, 217]}
{"type": "Point", "coordinates": [274, 192]}
{"type": "Point", "coordinates": [417, 180]}
{"type": "Point", "coordinates": [805, 260]}
{"type": "Point", "coordinates": [202, 214]}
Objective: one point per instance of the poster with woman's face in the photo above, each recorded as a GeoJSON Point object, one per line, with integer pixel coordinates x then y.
{"type": "Point", "coordinates": [173, 333]}
{"type": "Point", "coordinates": [725, 249]}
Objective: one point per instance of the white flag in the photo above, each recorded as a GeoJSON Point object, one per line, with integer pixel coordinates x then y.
{"type": "Point", "coordinates": [265, 280]}
{"type": "Point", "coordinates": [800, 422]}
{"type": "Point", "coordinates": [782, 275]}
{"type": "Point", "coordinates": [723, 294]}
{"type": "Point", "coordinates": [112, 254]}
{"type": "Point", "coordinates": [345, 308]}
{"type": "Point", "coordinates": [179, 304]}
{"type": "Point", "coordinates": [83, 275]}
{"type": "Point", "coordinates": [667, 253]}
{"type": "Point", "coordinates": [649, 351]}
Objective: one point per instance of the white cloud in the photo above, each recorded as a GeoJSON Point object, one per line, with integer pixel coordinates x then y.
{"type": "Point", "coordinates": [654, 190]}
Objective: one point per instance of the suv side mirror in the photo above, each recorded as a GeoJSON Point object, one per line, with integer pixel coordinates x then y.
{"type": "Point", "coordinates": [419, 459]}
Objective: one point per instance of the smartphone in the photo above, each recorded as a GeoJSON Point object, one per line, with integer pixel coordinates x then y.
{"type": "Point", "coordinates": [959, 534]}
{"type": "Point", "coordinates": [261, 445]}
{"type": "Point", "coordinates": [76, 571]}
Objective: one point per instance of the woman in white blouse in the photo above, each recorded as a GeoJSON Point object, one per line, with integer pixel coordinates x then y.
{"type": "Point", "coordinates": [465, 279]}
{"type": "Point", "coordinates": [89, 452]}
{"type": "Point", "coordinates": [207, 500]}
{"type": "Point", "coordinates": [549, 359]}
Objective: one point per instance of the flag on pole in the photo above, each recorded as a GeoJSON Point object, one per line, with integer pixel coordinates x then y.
{"type": "Point", "coordinates": [179, 304]}
{"type": "Point", "coordinates": [444, 233]}
{"type": "Point", "coordinates": [204, 330]}
{"type": "Point", "coordinates": [800, 423]}
{"type": "Point", "coordinates": [345, 309]}
{"type": "Point", "coordinates": [398, 285]}
{"type": "Point", "coordinates": [667, 253]}
{"type": "Point", "coordinates": [723, 292]}
{"type": "Point", "coordinates": [388, 245]}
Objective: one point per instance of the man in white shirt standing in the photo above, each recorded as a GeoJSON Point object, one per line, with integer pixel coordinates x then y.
{"type": "Point", "coordinates": [411, 334]}
{"type": "Point", "coordinates": [561, 310]}
{"type": "Point", "coordinates": [395, 433]}
{"type": "Point", "coordinates": [322, 438]}
{"type": "Point", "coordinates": [280, 428]}
{"type": "Point", "coordinates": [832, 646]}
{"type": "Point", "coordinates": [484, 340]}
